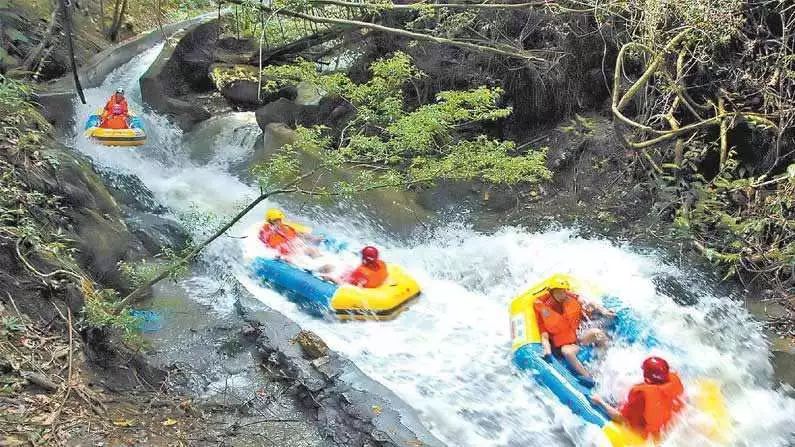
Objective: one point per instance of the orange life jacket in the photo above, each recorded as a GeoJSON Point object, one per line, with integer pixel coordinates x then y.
{"type": "Point", "coordinates": [651, 407]}
{"type": "Point", "coordinates": [559, 320]}
{"type": "Point", "coordinates": [115, 122]}
{"type": "Point", "coordinates": [121, 109]}
{"type": "Point", "coordinates": [278, 238]}
{"type": "Point", "coordinates": [369, 275]}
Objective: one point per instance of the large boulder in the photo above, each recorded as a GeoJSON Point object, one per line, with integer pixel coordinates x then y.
{"type": "Point", "coordinates": [90, 215]}
{"type": "Point", "coordinates": [286, 112]}
{"type": "Point", "coordinates": [241, 87]}
{"type": "Point", "coordinates": [182, 68]}
{"type": "Point", "coordinates": [131, 192]}
{"type": "Point", "coordinates": [156, 233]}
{"type": "Point", "coordinates": [230, 50]}
{"type": "Point", "coordinates": [331, 111]}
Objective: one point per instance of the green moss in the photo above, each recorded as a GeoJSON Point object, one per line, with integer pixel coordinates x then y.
{"type": "Point", "coordinates": [223, 74]}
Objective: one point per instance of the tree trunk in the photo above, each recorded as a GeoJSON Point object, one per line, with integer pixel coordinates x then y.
{"type": "Point", "coordinates": [118, 19]}
{"type": "Point", "coordinates": [34, 58]}
{"type": "Point", "coordinates": [159, 16]}
{"type": "Point", "coordinates": [67, 20]}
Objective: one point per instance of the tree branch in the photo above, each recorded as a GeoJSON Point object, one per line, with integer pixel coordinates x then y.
{"type": "Point", "coordinates": [410, 34]}
{"type": "Point", "coordinates": [198, 249]}
{"type": "Point", "coordinates": [67, 15]}
{"type": "Point", "coordinates": [34, 58]}
{"type": "Point", "coordinates": [417, 6]}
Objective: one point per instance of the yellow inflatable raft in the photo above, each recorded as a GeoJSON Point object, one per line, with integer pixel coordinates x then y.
{"type": "Point", "coordinates": [321, 297]}
{"type": "Point", "coordinates": [381, 303]}
{"type": "Point", "coordinates": [132, 136]}
{"type": "Point", "coordinates": [555, 375]}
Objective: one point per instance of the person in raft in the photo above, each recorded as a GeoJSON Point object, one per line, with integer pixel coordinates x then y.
{"type": "Point", "coordinates": [285, 238]}
{"type": "Point", "coordinates": [114, 116]}
{"type": "Point", "coordinates": [650, 405]}
{"type": "Point", "coordinates": [559, 314]}
{"type": "Point", "coordinates": [371, 273]}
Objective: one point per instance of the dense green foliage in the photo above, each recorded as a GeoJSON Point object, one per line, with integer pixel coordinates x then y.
{"type": "Point", "coordinates": [714, 87]}
{"type": "Point", "coordinates": [396, 146]}
{"type": "Point", "coordinates": [23, 209]}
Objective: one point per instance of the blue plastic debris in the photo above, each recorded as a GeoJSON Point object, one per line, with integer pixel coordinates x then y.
{"type": "Point", "coordinates": [149, 320]}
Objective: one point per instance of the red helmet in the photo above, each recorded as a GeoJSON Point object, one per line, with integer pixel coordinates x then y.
{"type": "Point", "coordinates": [369, 254]}
{"type": "Point", "coordinates": [655, 370]}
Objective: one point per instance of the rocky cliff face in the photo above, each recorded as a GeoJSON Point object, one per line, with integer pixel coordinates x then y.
{"type": "Point", "coordinates": [183, 67]}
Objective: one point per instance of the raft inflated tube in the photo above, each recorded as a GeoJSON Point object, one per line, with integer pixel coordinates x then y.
{"type": "Point", "coordinates": [556, 376]}
{"type": "Point", "coordinates": [321, 298]}
{"type": "Point", "coordinates": [132, 136]}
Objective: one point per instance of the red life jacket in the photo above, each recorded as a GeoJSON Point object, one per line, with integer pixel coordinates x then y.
{"type": "Point", "coordinates": [559, 320]}
{"type": "Point", "coordinates": [651, 407]}
{"type": "Point", "coordinates": [279, 238]}
{"type": "Point", "coordinates": [368, 276]}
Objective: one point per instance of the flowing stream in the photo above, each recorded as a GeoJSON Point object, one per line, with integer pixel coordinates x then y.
{"type": "Point", "coordinates": [448, 356]}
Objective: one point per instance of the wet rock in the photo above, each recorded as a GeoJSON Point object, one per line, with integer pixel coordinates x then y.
{"type": "Point", "coordinates": [130, 191]}
{"type": "Point", "coordinates": [313, 346]}
{"type": "Point", "coordinates": [241, 88]}
{"type": "Point", "coordinates": [784, 366]}
{"type": "Point", "coordinates": [230, 50]}
{"type": "Point", "coordinates": [286, 112]}
{"type": "Point", "coordinates": [102, 243]}
{"type": "Point", "coordinates": [499, 198]}
{"type": "Point", "coordinates": [331, 111]}
{"type": "Point", "coordinates": [186, 114]}
{"type": "Point", "coordinates": [181, 69]}
{"type": "Point", "coordinates": [76, 182]}
{"type": "Point", "coordinates": [157, 233]}
{"type": "Point", "coordinates": [350, 407]}
{"type": "Point", "coordinates": [93, 217]}
{"type": "Point", "coordinates": [250, 331]}
{"type": "Point", "coordinates": [242, 93]}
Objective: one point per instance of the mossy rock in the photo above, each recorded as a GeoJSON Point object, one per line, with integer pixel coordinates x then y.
{"type": "Point", "coordinates": [240, 85]}
{"type": "Point", "coordinates": [224, 75]}
{"type": "Point", "coordinates": [312, 345]}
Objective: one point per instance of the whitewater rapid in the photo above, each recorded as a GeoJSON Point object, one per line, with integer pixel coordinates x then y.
{"type": "Point", "coordinates": [448, 355]}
